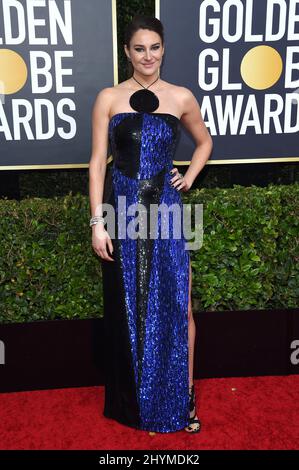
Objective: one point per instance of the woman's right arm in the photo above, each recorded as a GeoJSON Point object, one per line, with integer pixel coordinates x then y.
{"type": "Point", "coordinates": [97, 170]}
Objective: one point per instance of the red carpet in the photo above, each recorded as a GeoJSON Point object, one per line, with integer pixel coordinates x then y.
{"type": "Point", "coordinates": [236, 413]}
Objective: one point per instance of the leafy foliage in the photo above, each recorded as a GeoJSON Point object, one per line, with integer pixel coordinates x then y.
{"type": "Point", "coordinates": [248, 260]}
{"type": "Point", "coordinates": [250, 251]}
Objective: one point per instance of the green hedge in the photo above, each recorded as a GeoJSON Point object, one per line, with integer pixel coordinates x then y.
{"type": "Point", "coordinates": [249, 258]}
{"type": "Point", "coordinates": [250, 253]}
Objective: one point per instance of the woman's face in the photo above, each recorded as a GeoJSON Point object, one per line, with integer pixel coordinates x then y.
{"type": "Point", "coordinates": [145, 51]}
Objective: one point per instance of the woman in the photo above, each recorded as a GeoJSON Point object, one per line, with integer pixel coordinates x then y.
{"type": "Point", "coordinates": [149, 327]}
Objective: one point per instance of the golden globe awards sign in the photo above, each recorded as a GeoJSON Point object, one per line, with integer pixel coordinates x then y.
{"type": "Point", "coordinates": [240, 58]}
{"type": "Point", "coordinates": [55, 55]}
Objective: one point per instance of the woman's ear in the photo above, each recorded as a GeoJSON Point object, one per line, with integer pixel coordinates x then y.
{"type": "Point", "coordinates": [126, 51]}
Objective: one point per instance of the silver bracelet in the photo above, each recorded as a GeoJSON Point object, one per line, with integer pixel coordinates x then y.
{"type": "Point", "coordinates": [96, 219]}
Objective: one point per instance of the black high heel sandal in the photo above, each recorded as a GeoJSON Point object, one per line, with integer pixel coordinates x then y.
{"type": "Point", "coordinates": [194, 423]}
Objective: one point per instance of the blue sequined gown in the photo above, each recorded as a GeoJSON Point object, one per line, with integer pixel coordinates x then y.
{"type": "Point", "coordinates": [146, 288]}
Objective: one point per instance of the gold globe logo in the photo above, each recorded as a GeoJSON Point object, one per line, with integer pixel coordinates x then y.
{"type": "Point", "coordinates": [13, 72]}
{"type": "Point", "coordinates": [261, 67]}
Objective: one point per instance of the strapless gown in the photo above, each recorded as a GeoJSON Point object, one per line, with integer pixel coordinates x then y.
{"type": "Point", "coordinates": [145, 290]}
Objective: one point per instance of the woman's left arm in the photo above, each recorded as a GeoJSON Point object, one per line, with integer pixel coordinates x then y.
{"type": "Point", "coordinates": [194, 123]}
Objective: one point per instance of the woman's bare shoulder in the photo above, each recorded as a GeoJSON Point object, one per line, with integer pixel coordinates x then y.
{"type": "Point", "coordinates": [106, 93]}
{"type": "Point", "coordinates": [179, 92]}
{"type": "Point", "coordinates": [105, 97]}
{"type": "Point", "coordinates": [178, 95]}
{"type": "Point", "coordinates": [171, 86]}
{"type": "Point", "coordinates": [109, 94]}
{"type": "Point", "coordinates": [183, 91]}
{"type": "Point", "coordinates": [185, 97]}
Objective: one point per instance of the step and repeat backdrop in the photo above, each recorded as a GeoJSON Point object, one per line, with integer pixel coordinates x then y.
{"type": "Point", "coordinates": [240, 58]}
{"type": "Point", "coordinates": [55, 56]}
